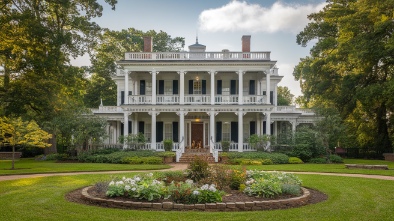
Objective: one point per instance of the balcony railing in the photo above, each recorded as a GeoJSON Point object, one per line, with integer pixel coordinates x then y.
{"type": "Point", "coordinates": [198, 55]}
{"type": "Point", "coordinates": [196, 99]}
{"type": "Point", "coordinates": [234, 147]}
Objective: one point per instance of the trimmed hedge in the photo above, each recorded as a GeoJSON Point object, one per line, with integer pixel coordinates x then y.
{"type": "Point", "coordinates": [276, 158]}
{"type": "Point", "coordinates": [295, 160]}
{"type": "Point", "coordinates": [119, 157]}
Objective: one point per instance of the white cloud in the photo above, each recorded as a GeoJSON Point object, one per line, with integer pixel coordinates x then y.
{"type": "Point", "coordinates": [242, 16]}
{"type": "Point", "coordinates": [286, 70]}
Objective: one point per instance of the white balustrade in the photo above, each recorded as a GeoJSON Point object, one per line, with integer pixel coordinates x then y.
{"type": "Point", "coordinates": [167, 99]}
{"type": "Point", "coordinates": [175, 146]}
{"type": "Point", "coordinates": [140, 99]}
{"type": "Point", "coordinates": [254, 99]}
{"type": "Point", "coordinates": [285, 108]}
{"type": "Point", "coordinates": [197, 56]}
{"type": "Point", "coordinates": [197, 99]}
{"type": "Point", "coordinates": [233, 146]}
{"type": "Point", "coordinates": [160, 146]}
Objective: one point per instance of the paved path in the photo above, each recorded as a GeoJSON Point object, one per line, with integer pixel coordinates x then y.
{"type": "Point", "coordinates": [180, 166]}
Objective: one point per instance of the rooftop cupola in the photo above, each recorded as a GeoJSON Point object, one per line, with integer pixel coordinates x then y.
{"type": "Point", "coordinates": [197, 47]}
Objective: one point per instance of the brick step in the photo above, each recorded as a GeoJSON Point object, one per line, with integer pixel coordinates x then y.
{"type": "Point", "coordinates": [188, 157]}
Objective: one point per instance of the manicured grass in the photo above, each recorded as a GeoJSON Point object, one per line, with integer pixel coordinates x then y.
{"type": "Point", "coordinates": [29, 166]}
{"type": "Point", "coordinates": [43, 199]}
{"type": "Point", "coordinates": [331, 168]}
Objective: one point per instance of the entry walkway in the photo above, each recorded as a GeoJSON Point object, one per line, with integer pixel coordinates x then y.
{"type": "Point", "coordinates": [179, 166]}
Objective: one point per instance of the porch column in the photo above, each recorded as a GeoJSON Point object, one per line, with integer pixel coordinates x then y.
{"type": "Point", "coordinates": [211, 130]}
{"type": "Point", "coordinates": [135, 123]}
{"type": "Point", "coordinates": [125, 128]}
{"type": "Point", "coordinates": [240, 86]}
{"type": "Point", "coordinates": [182, 87]}
{"type": "Point", "coordinates": [258, 87]}
{"type": "Point", "coordinates": [212, 87]}
{"type": "Point", "coordinates": [258, 124]}
{"type": "Point", "coordinates": [293, 126]}
{"type": "Point", "coordinates": [240, 130]}
{"type": "Point", "coordinates": [126, 87]}
{"type": "Point", "coordinates": [153, 129]}
{"type": "Point", "coordinates": [153, 73]}
{"type": "Point", "coordinates": [268, 88]}
{"type": "Point", "coordinates": [182, 141]}
{"type": "Point", "coordinates": [268, 123]}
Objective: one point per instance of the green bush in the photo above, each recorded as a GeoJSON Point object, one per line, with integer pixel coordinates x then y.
{"type": "Point", "coordinates": [167, 144]}
{"type": "Point", "coordinates": [267, 162]}
{"type": "Point", "coordinates": [198, 169]}
{"type": "Point", "coordinates": [276, 158]}
{"type": "Point", "coordinates": [291, 189]}
{"type": "Point", "coordinates": [318, 160]}
{"type": "Point", "coordinates": [295, 160]}
{"type": "Point", "coordinates": [142, 160]}
{"type": "Point", "coordinates": [57, 156]}
{"type": "Point", "coordinates": [336, 159]}
{"type": "Point", "coordinates": [250, 162]}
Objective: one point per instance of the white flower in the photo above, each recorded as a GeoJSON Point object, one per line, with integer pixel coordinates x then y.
{"type": "Point", "coordinates": [111, 183]}
{"type": "Point", "coordinates": [204, 187]}
{"type": "Point", "coordinates": [189, 181]}
{"type": "Point", "coordinates": [195, 192]}
{"type": "Point", "coordinates": [149, 174]}
{"type": "Point", "coordinates": [212, 188]}
{"type": "Point", "coordinates": [137, 178]}
{"type": "Point", "coordinates": [119, 183]}
{"type": "Point", "coordinates": [127, 187]}
{"type": "Point", "coordinates": [123, 178]}
{"type": "Point", "coordinates": [133, 189]}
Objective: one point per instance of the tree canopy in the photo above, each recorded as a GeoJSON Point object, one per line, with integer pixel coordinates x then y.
{"type": "Point", "coordinates": [350, 67]}
{"type": "Point", "coordinates": [285, 98]}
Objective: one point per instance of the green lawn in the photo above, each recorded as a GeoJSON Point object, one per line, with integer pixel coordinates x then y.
{"type": "Point", "coordinates": [29, 166]}
{"type": "Point", "coordinates": [43, 199]}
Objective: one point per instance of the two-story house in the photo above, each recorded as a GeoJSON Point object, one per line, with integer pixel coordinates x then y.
{"type": "Point", "coordinates": [199, 98]}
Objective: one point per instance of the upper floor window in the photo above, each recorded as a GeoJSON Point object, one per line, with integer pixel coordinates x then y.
{"type": "Point", "coordinates": [197, 87]}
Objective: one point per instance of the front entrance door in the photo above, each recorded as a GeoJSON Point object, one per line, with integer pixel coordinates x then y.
{"type": "Point", "coordinates": [197, 140]}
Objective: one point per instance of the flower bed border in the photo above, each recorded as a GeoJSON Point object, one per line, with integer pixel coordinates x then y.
{"type": "Point", "coordinates": [231, 206]}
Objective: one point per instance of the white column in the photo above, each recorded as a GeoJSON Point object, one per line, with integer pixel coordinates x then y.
{"type": "Point", "coordinates": [126, 87]}
{"type": "Point", "coordinates": [293, 126]}
{"type": "Point", "coordinates": [258, 124]}
{"type": "Point", "coordinates": [268, 123]}
{"type": "Point", "coordinates": [258, 87]}
{"type": "Point", "coordinates": [181, 87]}
{"type": "Point", "coordinates": [275, 128]}
{"type": "Point", "coordinates": [125, 128]}
{"type": "Point", "coordinates": [119, 94]}
{"type": "Point", "coordinates": [153, 87]}
{"type": "Point", "coordinates": [240, 87]}
{"type": "Point", "coordinates": [211, 130]}
{"type": "Point", "coordinates": [268, 88]}
{"type": "Point", "coordinates": [182, 139]}
{"type": "Point", "coordinates": [153, 130]}
{"type": "Point", "coordinates": [212, 87]}
{"type": "Point", "coordinates": [240, 130]}
{"type": "Point", "coordinates": [135, 124]}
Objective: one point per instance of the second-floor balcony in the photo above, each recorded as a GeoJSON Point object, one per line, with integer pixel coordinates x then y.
{"type": "Point", "coordinates": [196, 99]}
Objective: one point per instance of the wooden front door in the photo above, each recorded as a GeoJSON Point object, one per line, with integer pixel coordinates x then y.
{"type": "Point", "coordinates": [197, 135]}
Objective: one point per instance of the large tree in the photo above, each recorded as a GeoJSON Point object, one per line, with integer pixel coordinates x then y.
{"type": "Point", "coordinates": [37, 38]}
{"type": "Point", "coordinates": [112, 47]}
{"type": "Point", "coordinates": [351, 67]}
{"type": "Point", "coordinates": [285, 97]}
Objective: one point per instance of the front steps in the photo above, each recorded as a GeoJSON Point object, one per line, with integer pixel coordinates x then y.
{"type": "Point", "coordinates": [190, 154]}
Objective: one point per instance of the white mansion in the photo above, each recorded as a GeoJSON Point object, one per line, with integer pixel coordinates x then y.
{"type": "Point", "coordinates": [198, 98]}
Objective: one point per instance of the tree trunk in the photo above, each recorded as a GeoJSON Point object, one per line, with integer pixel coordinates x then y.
{"type": "Point", "coordinates": [13, 157]}
{"type": "Point", "coordinates": [53, 147]}
{"type": "Point", "coordinates": [383, 142]}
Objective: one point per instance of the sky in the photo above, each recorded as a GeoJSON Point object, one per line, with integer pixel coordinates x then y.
{"type": "Point", "coordinates": [220, 24]}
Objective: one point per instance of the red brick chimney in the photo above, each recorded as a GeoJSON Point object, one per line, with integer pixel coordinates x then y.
{"type": "Point", "coordinates": [246, 43]}
{"type": "Point", "coordinates": [148, 44]}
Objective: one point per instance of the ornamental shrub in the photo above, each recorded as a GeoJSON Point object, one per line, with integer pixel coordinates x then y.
{"type": "Point", "coordinates": [295, 160]}
{"type": "Point", "coordinates": [318, 160]}
{"type": "Point", "coordinates": [267, 162]}
{"type": "Point", "coordinates": [197, 169]}
{"type": "Point", "coordinates": [250, 162]}
{"type": "Point", "coordinates": [336, 159]}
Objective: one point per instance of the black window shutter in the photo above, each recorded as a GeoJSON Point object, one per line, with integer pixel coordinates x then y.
{"type": "Point", "coordinates": [159, 131]}
{"type": "Point", "coordinates": [161, 86]}
{"type": "Point", "coordinates": [141, 127]}
{"type": "Point", "coordinates": [264, 93]}
{"type": "Point", "coordinates": [233, 87]}
{"type": "Point", "coordinates": [130, 127]}
{"type": "Point", "coordinates": [252, 127]}
{"type": "Point", "coordinates": [218, 131]}
{"type": "Point", "coordinates": [271, 97]}
{"type": "Point", "coordinates": [122, 97]}
{"type": "Point", "coordinates": [190, 86]}
{"type": "Point", "coordinates": [219, 87]}
{"type": "Point", "coordinates": [272, 129]}
{"type": "Point", "coordinates": [175, 131]}
{"type": "Point", "coordinates": [122, 129]}
{"type": "Point", "coordinates": [175, 87]}
{"type": "Point", "coordinates": [204, 86]}
{"type": "Point", "coordinates": [252, 87]}
{"type": "Point", "coordinates": [264, 127]}
{"type": "Point", "coordinates": [142, 87]}
{"type": "Point", "coordinates": [234, 131]}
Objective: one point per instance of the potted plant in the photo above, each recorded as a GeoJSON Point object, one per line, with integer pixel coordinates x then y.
{"type": "Point", "coordinates": [225, 145]}
{"type": "Point", "coordinates": [168, 156]}
{"type": "Point", "coordinates": [167, 144]}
